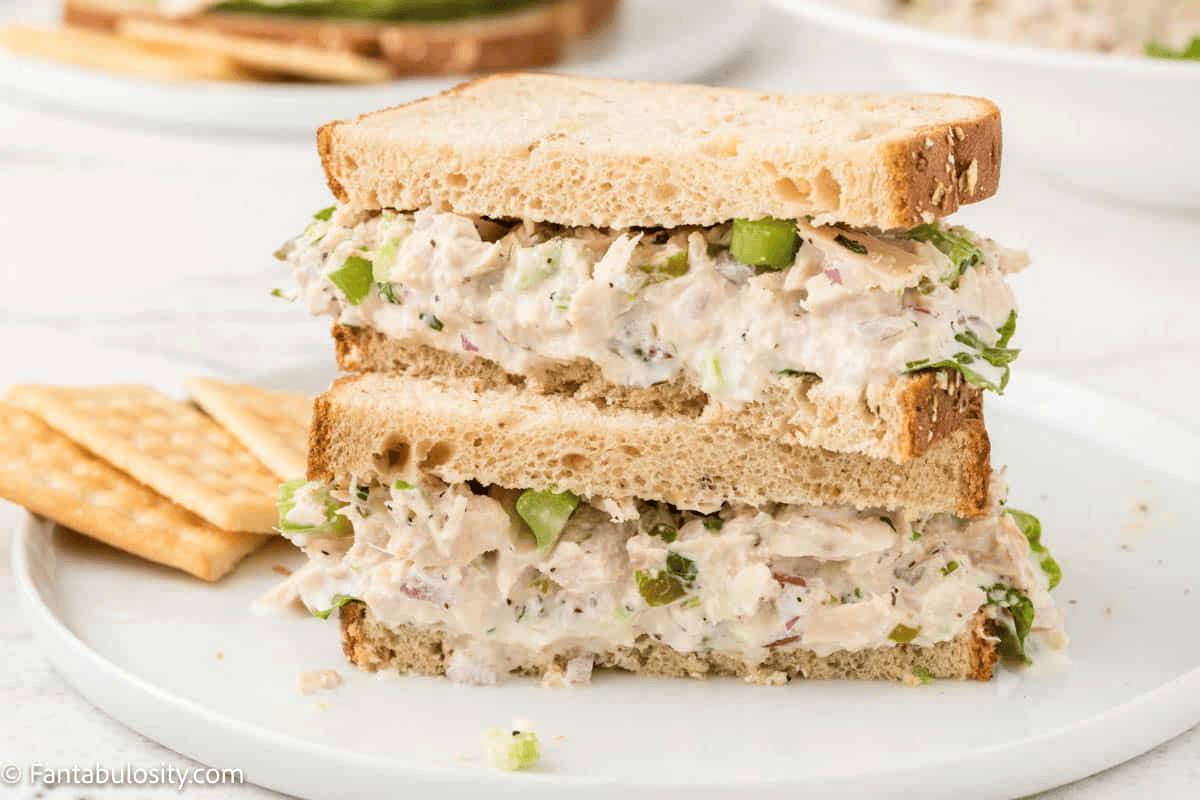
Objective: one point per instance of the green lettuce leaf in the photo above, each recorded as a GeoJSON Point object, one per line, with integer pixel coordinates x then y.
{"type": "Point", "coordinates": [336, 602]}
{"type": "Point", "coordinates": [1020, 620]}
{"type": "Point", "coordinates": [956, 243]}
{"type": "Point", "coordinates": [1031, 526]}
{"type": "Point", "coordinates": [388, 10]}
{"type": "Point", "coordinates": [999, 355]}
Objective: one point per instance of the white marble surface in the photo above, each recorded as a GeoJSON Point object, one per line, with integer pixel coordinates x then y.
{"type": "Point", "coordinates": [139, 252]}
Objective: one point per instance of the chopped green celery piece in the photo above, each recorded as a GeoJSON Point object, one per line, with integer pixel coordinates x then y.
{"type": "Point", "coordinates": [766, 242]}
{"type": "Point", "coordinates": [534, 266]}
{"type": "Point", "coordinates": [923, 675]}
{"type": "Point", "coordinates": [659, 590]}
{"type": "Point", "coordinates": [354, 279]}
{"type": "Point", "coordinates": [385, 259]}
{"type": "Point", "coordinates": [902, 634]}
{"type": "Point", "coordinates": [950, 567]}
{"type": "Point", "coordinates": [337, 602]}
{"type": "Point", "coordinates": [1020, 611]}
{"type": "Point", "coordinates": [691, 602]}
{"type": "Point", "coordinates": [546, 514]}
{"type": "Point", "coordinates": [711, 377]}
{"type": "Point", "coordinates": [713, 523]}
{"type": "Point", "coordinates": [279, 293]}
{"type": "Point", "coordinates": [1156, 49]}
{"type": "Point", "coordinates": [325, 213]}
{"type": "Point", "coordinates": [622, 614]}
{"type": "Point", "coordinates": [853, 245]}
{"type": "Point", "coordinates": [676, 265]}
{"type": "Point", "coordinates": [1031, 526]}
{"type": "Point", "coordinates": [431, 320]}
{"type": "Point", "coordinates": [955, 243]}
{"type": "Point", "coordinates": [510, 750]}
{"type": "Point", "coordinates": [403, 485]}
{"type": "Point", "coordinates": [334, 523]}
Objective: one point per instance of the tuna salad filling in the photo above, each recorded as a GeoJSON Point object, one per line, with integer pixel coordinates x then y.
{"type": "Point", "coordinates": [731, 308]}
{"type": "Point", "coordinates": [530, 578]}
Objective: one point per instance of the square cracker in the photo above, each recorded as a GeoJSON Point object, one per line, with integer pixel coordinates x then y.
{"type": "Point", "coordinates": [271, 425]}
{"type": "Point", "coordinates": [170, 446]}
{"type": "Point", "coordinates": [50, 475]}
{"type": "Point", "coordinates": [87, 48]}
{"type": "Point", "coordinates": [285, 58]}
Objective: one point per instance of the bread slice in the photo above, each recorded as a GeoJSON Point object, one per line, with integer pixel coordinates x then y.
{"type": "Point", "coordinates": [379, 426]}
{"type": "Point", "coordinates": [607, 153]}
{"type": "Point", "coordinates": [534, 36]}
{"type": "Point", "coordinates": [971, 655]}
{"type": "Point", "coordinates": [898, 421]}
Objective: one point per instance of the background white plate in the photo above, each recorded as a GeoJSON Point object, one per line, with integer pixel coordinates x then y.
{"type": "Point", "coordinates": [187, 665]}
{"type": "Point", "coordinates": [1122, 126]}
{"type": "Point", "coordinates": [664, 40]}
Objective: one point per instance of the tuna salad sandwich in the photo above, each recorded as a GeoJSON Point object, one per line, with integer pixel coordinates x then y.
{"type": "Point", "coordinates": [400, 37]}
{"type": "Point", "coordinates": [674, 379]}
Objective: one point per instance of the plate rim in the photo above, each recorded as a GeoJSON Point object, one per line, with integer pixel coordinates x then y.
{"type": "Point", "coordinates": [1097, 742]}
{"type": "Point", "coordinates": [743, 19]}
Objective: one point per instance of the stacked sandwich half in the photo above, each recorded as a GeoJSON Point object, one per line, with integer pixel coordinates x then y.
{"type": "Point", "coordinates": [678, 380]}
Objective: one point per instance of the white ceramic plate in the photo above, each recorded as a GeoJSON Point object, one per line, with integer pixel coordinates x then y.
{"type": "Point", "coordinates": [663, 40]}
{"type": "Point", "coordinates": [1122, 126]}
{"type": "Point", "coordinates": [186, 664]}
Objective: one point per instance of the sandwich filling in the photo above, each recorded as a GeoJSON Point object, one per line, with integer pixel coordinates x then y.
{"type": "Point", "coordinates": [375, 11]}
{"type": "Point", "coordinates": [731, 308]}
{"type": "Point", "coordinates": [515, 579]}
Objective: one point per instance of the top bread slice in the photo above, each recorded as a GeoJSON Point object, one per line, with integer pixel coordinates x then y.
{"type": "Point", "coordinates": [384, 427]}
{"type": "Point", "coordinates": [608, 153]}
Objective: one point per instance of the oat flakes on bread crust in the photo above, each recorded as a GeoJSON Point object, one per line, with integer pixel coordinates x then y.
{"type": "Point", "coordinates": [970, 655]}
{"type": "Point", "coordinates": [379, 426]}
{"type": "Point", "coordinates": [899, 421]}
{"type": "Point", "coordinates": [506, 145]}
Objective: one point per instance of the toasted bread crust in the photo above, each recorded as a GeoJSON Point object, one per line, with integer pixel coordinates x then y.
{"type": "Point", "coordinates": [899, 422]}
{"type": "Point", "coordinates": [385, 426]}
{"type": "Point", "coordinates": [897, 182]}
{"type": "Point", "coordinates": [971, 655]}
{"type": "Point", "coordinates": [530, 37]}
{"type": "Point", "coordinates": [948, 167]}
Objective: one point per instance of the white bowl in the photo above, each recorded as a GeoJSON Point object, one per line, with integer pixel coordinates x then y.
{"type": "Point", "coordinates": [1126, 127]}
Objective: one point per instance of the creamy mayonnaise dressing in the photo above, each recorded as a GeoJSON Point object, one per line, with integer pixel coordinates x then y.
{"type": "Point", "coordinates": [854, 308]}
{"type": "Point", "coordinates": [746, 580]}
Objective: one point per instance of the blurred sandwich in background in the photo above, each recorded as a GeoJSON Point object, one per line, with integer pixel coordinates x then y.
{"type": "Point", "coordinates": [346, 41]}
